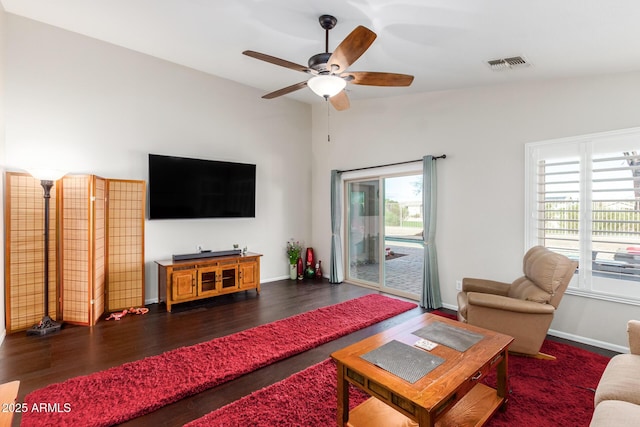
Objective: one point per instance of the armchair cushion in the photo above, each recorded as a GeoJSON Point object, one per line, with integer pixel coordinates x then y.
{"type": "Point", "coordinates": [525, 289]}
{"type": "Point", "coordinates": [547, 269]}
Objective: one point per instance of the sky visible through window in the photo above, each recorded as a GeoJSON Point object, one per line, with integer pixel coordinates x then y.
{"type": "Point", "coordinates": [404, 188]}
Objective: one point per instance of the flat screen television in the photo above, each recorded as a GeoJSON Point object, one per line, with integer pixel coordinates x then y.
{"type": "Point", "coordinates": [184, 188]}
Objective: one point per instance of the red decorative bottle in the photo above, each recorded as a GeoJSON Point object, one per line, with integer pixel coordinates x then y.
{"type": "Point", "coordinates": [319, 270]}
{"type": "Point", "coordinates": [300, 269]}
{"type": "Point", "coordinates": [310, 257]}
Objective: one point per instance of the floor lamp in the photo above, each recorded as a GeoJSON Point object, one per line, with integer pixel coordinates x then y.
{"type": "Point", "coordinates": [47, 325]}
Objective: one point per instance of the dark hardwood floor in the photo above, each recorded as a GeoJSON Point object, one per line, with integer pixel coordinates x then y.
{"type": "Point", "coordinates": [78, 350]}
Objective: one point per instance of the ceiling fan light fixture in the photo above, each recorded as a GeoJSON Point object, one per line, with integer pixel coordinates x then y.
{"type": "Point", "coordinates": [326, 86]}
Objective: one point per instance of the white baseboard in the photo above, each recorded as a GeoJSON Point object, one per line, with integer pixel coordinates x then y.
{"type": "Point", "coordinates": [3, 334]}
{"type": "Point", "coordinates": [450, 307]}
{"type": "Point", "coordinates": [589, 341]}
{"type": "Point", "coordinates": [273, 279]}
{"type": "Point", "coordinates": [572, 337]}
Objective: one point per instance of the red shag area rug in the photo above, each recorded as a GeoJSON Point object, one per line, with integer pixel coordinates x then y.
{"type": "Point", "coordinates": [106, 398]}
{"type": "Point", "coordinates": [551, 392]}
{"type": "Point", "coordinates": [544, 393]}
{"type": "Point", "coordinates": [306, 399]}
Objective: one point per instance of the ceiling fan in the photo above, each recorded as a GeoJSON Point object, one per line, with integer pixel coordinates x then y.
{"type": "Point", "coordinates": [329, 70]}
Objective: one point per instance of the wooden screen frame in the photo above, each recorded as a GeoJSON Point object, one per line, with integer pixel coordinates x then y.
{"type": "Point", "coordinates": [31, 209]}
{"type": "Point", "coordinates": [82, 256]}
{"type": "Point", "coordinates": [117, 297]}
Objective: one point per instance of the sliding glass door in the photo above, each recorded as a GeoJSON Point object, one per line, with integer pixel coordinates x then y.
{"type": "Point", "coordinates": [404, 251]}
{"type": "Point", "coordinates": [364, 231]}
{"type": "Point", "coordinates": [384, 233]}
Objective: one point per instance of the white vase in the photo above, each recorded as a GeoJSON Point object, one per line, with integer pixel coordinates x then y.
{"type": "Point", "coordinates": [293, 271]}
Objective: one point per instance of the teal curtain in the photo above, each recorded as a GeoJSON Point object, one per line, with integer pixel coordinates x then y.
{"type": "Point", "coordinates": [430, 297]}
{"type": "Point", "coordinates": [336, 269]}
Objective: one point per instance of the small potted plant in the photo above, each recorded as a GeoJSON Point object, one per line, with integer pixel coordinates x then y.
{"type": "Point", "coordinates": [294, 249]}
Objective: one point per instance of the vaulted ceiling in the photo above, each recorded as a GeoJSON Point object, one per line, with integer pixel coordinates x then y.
{"type": "Point", "coordinates": [445, 44]}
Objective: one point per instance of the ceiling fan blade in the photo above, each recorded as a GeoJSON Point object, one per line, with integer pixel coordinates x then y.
{"type": "Point", "coordinates": [351, 48]}
{"type": "Point", "coordinates": [276, 61]}
{"type": "Point", "coordinates": [372, 78]}
{"type": "Point", "coordinates": [340, 101]}
{"type": "Point", "coordinates": [285, 90]}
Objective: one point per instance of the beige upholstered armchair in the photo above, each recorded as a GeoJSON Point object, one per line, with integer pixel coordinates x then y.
{"type": "Point", "coordinates": [523, 309]}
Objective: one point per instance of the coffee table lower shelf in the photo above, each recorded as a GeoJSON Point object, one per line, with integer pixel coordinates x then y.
{"type": "Point", "coordinates": [474, 409]}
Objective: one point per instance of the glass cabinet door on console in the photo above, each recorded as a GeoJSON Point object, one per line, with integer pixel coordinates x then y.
{"type": "Point", "coordinates": [207, 280]}
{"type": "Point", "coordinates": [227, 281]}
{"type": "Point", "coordinates": [216, 279]}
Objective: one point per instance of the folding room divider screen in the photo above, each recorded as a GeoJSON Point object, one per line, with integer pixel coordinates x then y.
{"type": "Point", "coordinates": [96, 249]}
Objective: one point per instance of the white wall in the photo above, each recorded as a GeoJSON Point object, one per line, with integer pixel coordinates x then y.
{"type": "Point", "coordinates": [2, 160]}
{"type": "Point", "coordinates": [481, 183]}
{"type": "Point", "coordinates": [96, 108]}
{"type": "Point", "coordinates": [91, 107]}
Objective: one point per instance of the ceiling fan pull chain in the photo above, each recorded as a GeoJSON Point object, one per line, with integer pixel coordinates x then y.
{"type": "Point", "coordinates": [326, 99]}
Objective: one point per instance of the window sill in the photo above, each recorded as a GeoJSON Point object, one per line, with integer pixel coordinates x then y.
{"type": "Point", "coordinates": [603, 296]}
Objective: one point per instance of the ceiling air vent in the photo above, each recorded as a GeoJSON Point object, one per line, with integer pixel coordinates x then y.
{"type": "Point", "coordinates": [508, 63]}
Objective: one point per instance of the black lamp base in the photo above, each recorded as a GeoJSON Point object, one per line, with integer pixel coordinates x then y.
{"type": "Point", "coordinates": [46, 326]}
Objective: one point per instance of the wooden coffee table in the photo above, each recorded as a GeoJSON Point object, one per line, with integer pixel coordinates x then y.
{"type": "Point", "coordinates": [450, 394]}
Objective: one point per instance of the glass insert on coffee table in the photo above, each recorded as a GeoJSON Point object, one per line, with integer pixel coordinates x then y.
{"type": "Point", "coordinates": [429, 370]}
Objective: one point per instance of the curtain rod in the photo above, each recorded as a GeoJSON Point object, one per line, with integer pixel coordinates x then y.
{"type": "Point", "coordinates": [444, 156]}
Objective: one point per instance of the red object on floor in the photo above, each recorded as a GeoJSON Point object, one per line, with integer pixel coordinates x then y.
{"type": "Point", "coordinates": [544, 393]}
{"type": "Point", "coordinates": [120, 314]}
{"type": "Point", "coordinates": [443, 314]}
{"type": "Point", "coordinates": [108, 397]}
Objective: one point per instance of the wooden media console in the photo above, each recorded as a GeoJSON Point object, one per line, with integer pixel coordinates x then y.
{"type": "Point", "coordinates": [194, 279]}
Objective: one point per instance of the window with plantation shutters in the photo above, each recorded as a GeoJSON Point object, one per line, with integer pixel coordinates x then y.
{"type": "Point", "coordinates": [583, 200]}
{"type": "Point", "coordinates": [558, 206]}
{"type": "Point", "coordinates": [615, 217]}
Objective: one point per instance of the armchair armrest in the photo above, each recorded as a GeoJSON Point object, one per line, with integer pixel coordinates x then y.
{"type": "Point", "coordinates": [470, 284]}
{"type": "Point", "coordinates": [633, 330]}
{"type": "Point", "coordinates": [500, 302]}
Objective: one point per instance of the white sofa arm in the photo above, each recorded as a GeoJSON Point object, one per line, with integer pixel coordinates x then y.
{"type": "Point", "coordinates": [633, 331]}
